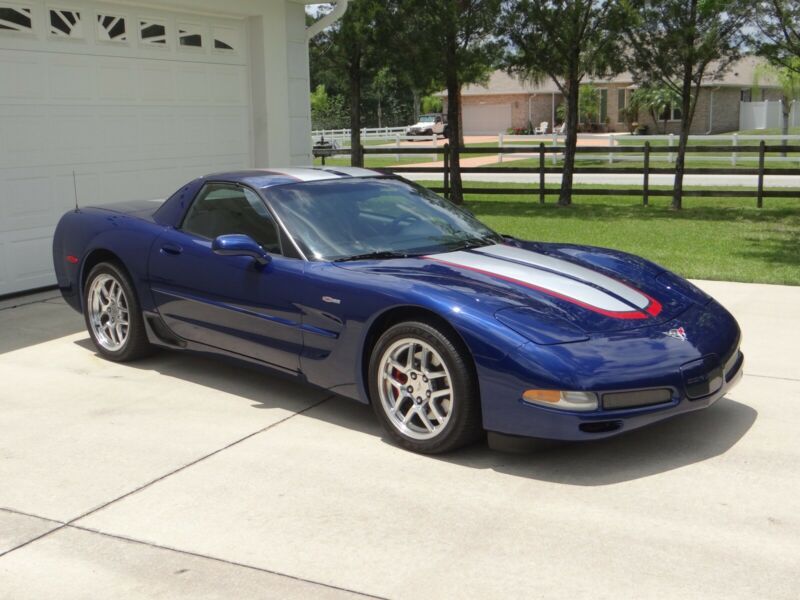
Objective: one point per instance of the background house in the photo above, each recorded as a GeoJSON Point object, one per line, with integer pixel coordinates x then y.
{"type": "Point", "coordinates": [137, 98]}
{"type": "Point", "coordinates": [506, 102]}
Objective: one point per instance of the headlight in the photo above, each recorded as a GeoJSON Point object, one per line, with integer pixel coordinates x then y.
{"type": "Point", "coordinates": [582, 401]}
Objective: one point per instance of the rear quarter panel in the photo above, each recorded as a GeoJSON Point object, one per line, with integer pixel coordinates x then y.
{"type": "Point", "coordinates": [85, 232]}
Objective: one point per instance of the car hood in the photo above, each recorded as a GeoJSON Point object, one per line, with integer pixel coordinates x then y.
{"type": "Point", "coordinates": [593, 290]}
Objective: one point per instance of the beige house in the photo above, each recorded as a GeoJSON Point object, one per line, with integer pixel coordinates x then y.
{"type": "Point", "coordinates": [506, 102]}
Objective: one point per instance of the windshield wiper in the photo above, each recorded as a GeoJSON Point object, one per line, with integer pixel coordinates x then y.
{"type": "Point", "coordinates": [376, 255]}
{"type": "Point", "coordinates": [476, 242]}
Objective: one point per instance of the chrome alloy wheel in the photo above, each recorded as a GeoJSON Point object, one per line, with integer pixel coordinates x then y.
{"type": "Point", "coordinates": [415, 388]}
{"type": "Point", "coordinates": [108, 312]}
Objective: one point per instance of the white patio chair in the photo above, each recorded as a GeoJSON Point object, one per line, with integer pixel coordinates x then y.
{"type": "Point", "coordinates": [542, 128]}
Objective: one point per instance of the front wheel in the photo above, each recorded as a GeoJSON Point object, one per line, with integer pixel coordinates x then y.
{"type": "Point", "coordinates": [112, 314]}
{"type": "Point", "coordinates": [423, 388]}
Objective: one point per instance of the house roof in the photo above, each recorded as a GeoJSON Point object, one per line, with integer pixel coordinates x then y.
{"type": "Point", "coordinates": [743, 73]}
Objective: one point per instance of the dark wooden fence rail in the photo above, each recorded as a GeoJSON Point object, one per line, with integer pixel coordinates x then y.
{"type": "Point", "coordinates": [647, 150]}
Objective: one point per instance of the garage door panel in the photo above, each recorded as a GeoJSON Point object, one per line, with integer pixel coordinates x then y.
{"type": "Point", "coordinates": [191, 82]}
{"type": "Point", "coordinates": [486, 119]}
{"type": "Point", "coordinates": [71, 78]}
{"type": "Point", "coordinates": [30, 257]}
{"type": "Point", "coordinates": [116, 80]}
{"type": "Point", "coordinates": [72, 137]}
{"type": "Point", "coordinates": [23, 75]}
{"type": "Point", "coordinates": [156, 82]}
{"type": "Point", "coordinates": [231, 85]}
{"type": "Point", "coordinates": [132, 122]}
{"type": "Point", "coordinates": [23, 136]}
{"type": "Point", "coordinates": [27, 203]}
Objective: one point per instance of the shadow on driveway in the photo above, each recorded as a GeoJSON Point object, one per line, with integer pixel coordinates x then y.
{"type": "Point", "coordinates": [32, 322]}
{"type": "Point", "coordinates": [672, 444]}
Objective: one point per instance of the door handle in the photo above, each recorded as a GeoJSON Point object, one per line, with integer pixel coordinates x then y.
{"type": "Point", "coordinates": [172, 249]}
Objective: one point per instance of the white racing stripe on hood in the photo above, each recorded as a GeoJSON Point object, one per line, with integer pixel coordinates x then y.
{"type": "Point", "coordinates": [547, 281]}
{"type": "Point", "coordinates": [306, 174]}
{"type": "Point", "coordinates": [567, 268]}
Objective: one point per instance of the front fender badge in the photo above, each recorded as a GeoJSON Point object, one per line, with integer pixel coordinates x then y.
{"type": "Point", "coordinates": [678, 334]}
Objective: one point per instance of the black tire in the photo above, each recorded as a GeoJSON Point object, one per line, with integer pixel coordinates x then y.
{"type": "Point", "coordinates": [464, 424]}
{"type": "Point", "coordinates": [136, 344]}
{"type": "Point", "coordinates": [446, 133]}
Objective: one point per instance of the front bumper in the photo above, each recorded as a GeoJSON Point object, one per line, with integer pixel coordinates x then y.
{"type": "Point", "coordinates": [547, 423]}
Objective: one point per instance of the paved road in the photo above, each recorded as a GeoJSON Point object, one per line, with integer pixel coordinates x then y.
{"type": "Point", "coordinates": [773, 181]}
{"type": "Point", "coordinates": [182, 477]}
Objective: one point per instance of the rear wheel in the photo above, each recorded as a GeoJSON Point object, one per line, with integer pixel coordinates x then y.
{"type": "Point", "coordinates": [112, 314]}
{"type": "Point", "coordinates": [423, 388]}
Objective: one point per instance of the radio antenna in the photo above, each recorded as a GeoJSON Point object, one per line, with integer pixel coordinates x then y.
{"type": "Point", "coordinates": [75, 189]}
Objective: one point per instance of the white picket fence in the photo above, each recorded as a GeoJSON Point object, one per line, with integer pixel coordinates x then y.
{"type": "Point", "coordinates": [612, 140]}
{"type": "Point", "coordinates": [391, 136]}
{"type": "Point", "coordinates": [767, 115]}
{"type": "Point", "coordinates": [342, 136]}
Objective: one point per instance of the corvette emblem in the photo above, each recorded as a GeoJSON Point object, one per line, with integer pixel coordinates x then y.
{"type": "Point", "coordinates": [678, 334]}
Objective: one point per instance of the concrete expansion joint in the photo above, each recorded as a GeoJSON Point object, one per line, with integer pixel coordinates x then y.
{"type": "Point", "coordinates": [71, 522]}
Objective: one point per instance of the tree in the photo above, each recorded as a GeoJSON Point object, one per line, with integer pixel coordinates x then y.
{"type": "Point", "coordinates": [657, 100]}
{"type": "Point", "coordinates": [679, 44]}
{"type": "Point", "coordinates": [351, 46]}
{"type": "Point", "coordinates": [327, 111]}
{"type": "Point", "coordinates": [779, 27]}
{"type": "Point", "coordinates": [455, 38]}
{"type": "Point", "coordinates": [382, 83]}
{"type": "Point", "coordinates": [563, 40]}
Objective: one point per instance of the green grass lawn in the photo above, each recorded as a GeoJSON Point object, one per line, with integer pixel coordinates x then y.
{"type": "Point", "coordinates": [711, 238]}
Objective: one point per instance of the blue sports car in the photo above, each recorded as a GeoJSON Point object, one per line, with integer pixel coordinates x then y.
{"type": "Point", "coordinates": [377, 289]}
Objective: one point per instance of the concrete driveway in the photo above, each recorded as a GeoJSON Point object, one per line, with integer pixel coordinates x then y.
{"type": "Point", "coordinates": [180, 476]}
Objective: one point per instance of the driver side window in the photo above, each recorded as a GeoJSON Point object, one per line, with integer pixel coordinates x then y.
{"type": "Point", "coordinates": [222, 209]}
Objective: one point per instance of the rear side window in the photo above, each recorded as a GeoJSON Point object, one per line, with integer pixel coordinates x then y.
{"type": "Point", "coordinates": [222, 209]}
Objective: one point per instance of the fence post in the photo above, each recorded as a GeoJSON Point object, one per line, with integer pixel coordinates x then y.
{"type": "Point", "coordinates": [446, 174]}
{"type": "Point", "coordinates": [541, 173]}
{"type": "Point", "coordinates": [500, 140]}
{"type": "Point", "coordinates": [555, 143]}
{"type": "Point", "coordinates": [435, 140]}
{"type": "Point", "coordinates": [760, 200]}
{"type": "Point", "coordinates": [733, 154]}
{"type": "Point", "coordinates": [611, 145]}
{"type": "Point", "coordinates": [397, 143]}
{"type": "Point", "coordinates": [671, 144]}
{"type": "Point", "coordinates": [646, 173]}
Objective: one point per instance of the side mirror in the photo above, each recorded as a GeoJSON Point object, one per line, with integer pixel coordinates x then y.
{"type": "Point", "coordinates": [236, 244]}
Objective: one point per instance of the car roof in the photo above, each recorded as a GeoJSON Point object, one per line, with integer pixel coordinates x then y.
{"type": "Point", "coordinates": [263, 178]}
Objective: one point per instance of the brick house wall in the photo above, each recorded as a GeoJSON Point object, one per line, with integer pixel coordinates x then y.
{"type": "Point", "coordinates": [725, 116]}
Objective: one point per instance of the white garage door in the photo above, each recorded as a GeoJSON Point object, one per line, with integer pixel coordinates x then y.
{"type": "Point", "coordinates": [486, 119]}
{"type": "Point", "coordinates": [136, 101]}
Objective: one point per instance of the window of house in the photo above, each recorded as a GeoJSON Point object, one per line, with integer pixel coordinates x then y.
{"type": "Point", "coordinates": [66, 23]}
{"type": "Point", "coordinates": [746, 95]}
{"type": "Point", "coordinates": [190, 36]}
{"type": "Point", "coordinates": [225, 39]}
{"type": "Point", "coordinates": [671, 113]}
{"type": "Point", "coordinates": [622, 105]}
{"type": "Point", "coordinates": [153, 32]}
{"type": "Point", "coordinates": [223, 209]}
{"type": "Point", "coordinates": [14, 18]}
{"type": "Point", "coordinates": [603, 106]}
{"type": "Point", "coordinates": [111, 28]}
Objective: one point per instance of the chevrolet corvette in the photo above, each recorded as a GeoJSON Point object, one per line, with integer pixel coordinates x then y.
{"type": "Point", "coordinates": [377, 289]}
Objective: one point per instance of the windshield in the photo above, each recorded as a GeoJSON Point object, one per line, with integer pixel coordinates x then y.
{"type": "Point", "coordinates": [427, 118]}
{"type": "Point", "coordinates": [345, 218]}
